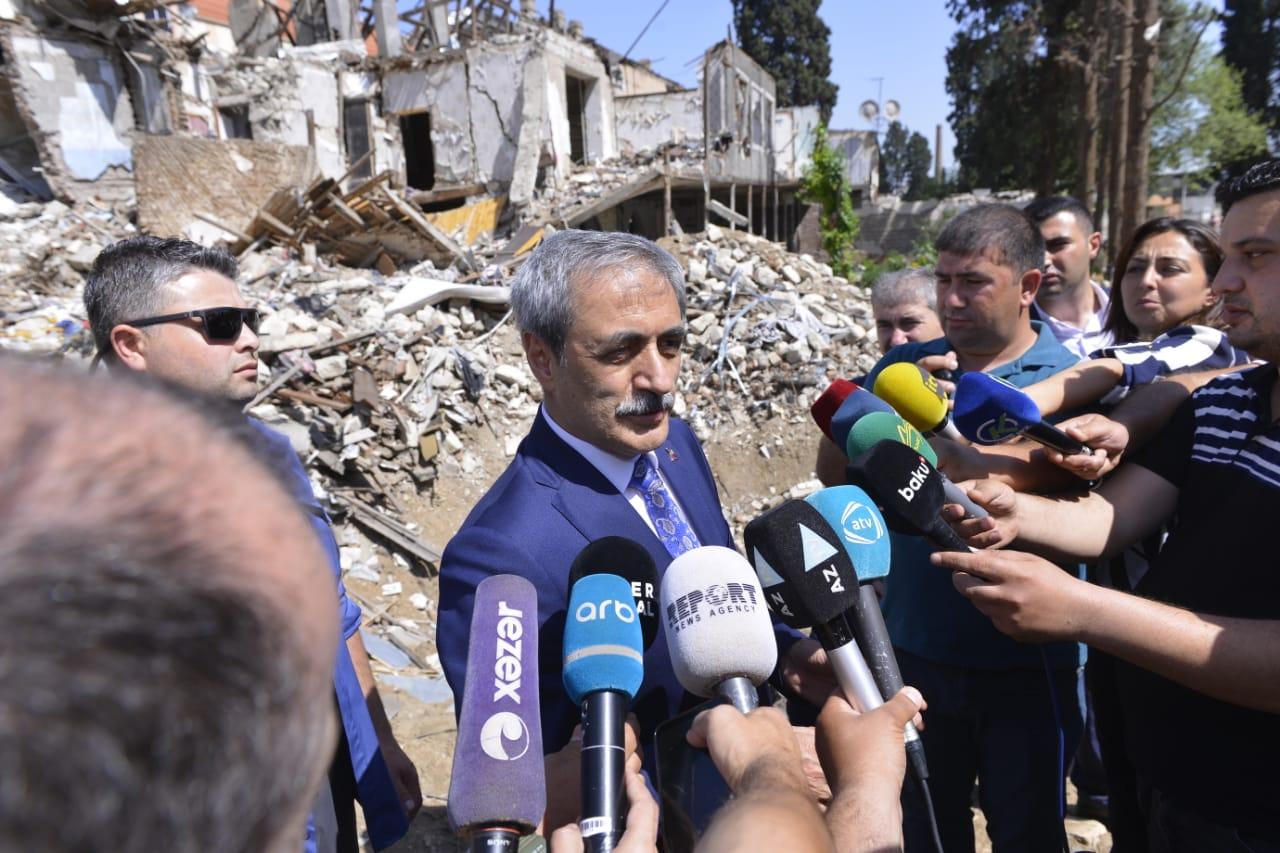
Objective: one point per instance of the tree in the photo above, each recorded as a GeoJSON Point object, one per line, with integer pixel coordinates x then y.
{"type": "Point", "coordinates": [904, 162]}
{"type": "Point", "coordinates": [826, 184]}
{"type": "Point", "coordinates": [1251, 45]}
{"type": "Point", "coordinates": [793, 44]}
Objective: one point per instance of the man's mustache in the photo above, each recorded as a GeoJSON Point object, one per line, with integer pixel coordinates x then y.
{"type": "Point", "coordinates": [646, 403]}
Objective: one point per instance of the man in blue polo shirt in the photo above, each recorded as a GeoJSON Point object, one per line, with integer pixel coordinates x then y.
{"type": "Point", "coordinates": [994, 712]}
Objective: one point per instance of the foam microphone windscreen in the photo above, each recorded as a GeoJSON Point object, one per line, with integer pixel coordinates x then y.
{"type": "Point", "coordinates": [882, 426]}
{"type": "Point", "coordinates": [498, 776]}
{"type": "Point", "coordinates": [806, 574]}
{"type": "Point", "coordinates": [852, 514]}
{"type": "Point", "coordinates": [857, 405]}
{"type": "Point", "coordinates": [628, 559]}
{"type": "Point", "coordinates": [603, 645]}
{"type": "Point", "coordinates": [914, 394]}
{"type": "Point", "coordinates": [989, 410]}
{"type": "Point", "coordinates": [828, 403]}
{"type": "Point", "coordinates": [907, 489]}
{"type": "Point", "coordinates": [716, 620]}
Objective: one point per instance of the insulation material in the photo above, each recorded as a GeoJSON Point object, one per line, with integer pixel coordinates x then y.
{"type": "Point", "coordinates": [77, 96]}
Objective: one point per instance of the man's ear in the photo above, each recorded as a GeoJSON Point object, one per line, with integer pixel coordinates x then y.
{"type": "Point", "coordinates": [1095, 244]}
{"type": "Point", "coordinates": [1028, 285]}
{"type": "Point", "coordinates": [540, 357]}
{"type": "Point", "coordinates": [129, 344]}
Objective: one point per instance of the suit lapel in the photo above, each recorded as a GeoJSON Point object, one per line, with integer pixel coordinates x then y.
{"type": "Point", "coordinates": [682, 471]}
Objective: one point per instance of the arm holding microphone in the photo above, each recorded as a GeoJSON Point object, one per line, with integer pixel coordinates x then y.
{"type": "Point", "coordinates": [1233, 659]}
{"type": "Point", "coordinates": [759, 758]}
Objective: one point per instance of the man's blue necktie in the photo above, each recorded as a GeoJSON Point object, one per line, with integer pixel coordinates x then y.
{"type": "Point", "coordinates": [668, 521]}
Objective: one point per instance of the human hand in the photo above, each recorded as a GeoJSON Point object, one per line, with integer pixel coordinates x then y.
{"type": "Point", "coordinates": [999, 528]}
{"type": "Point", "coordinates": [404, 776]}
{"type": "Point", "coordinates": [1025, 596]}
{"type": "Point", "coordinates": [947, 361]}
{"type": "Point", "coordinates": [806, 670]}
{"type": "Point", "coordinates": [960, 461]}
{"type": "Point", "coordinates": [564, 775]}
{"type": "Point", "coordinates": [641, 834]}
{"type": "Point", "coordinates": [750, 749]}
{"type": "Point", "coordinates": [1108, 439]}
{"type": "Point", "coordinates": [819, 789]}
{"type": "Point", "coordinates": [866, 750]}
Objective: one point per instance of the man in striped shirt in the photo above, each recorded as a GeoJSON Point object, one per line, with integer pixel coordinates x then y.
{"type": "Point", "coordinates": [1199, 642]}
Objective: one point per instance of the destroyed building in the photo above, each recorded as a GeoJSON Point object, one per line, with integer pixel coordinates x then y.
{"type": "Point", "coordinates": [454, 101]}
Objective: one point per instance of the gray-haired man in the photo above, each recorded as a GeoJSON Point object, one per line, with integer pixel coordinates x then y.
{"type": "Point", "coordinates": [602, 320]}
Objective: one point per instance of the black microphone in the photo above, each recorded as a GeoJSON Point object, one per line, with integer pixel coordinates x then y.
{"type": "Point", "coordinates": [908, 490]}
{"type": "Point", "coordinates": [603, 669]}
{"type": "Point", "coordinates": [497, 790]}
{"type": "Point", "coordinates": [628, 559]}
{"type": "Point", "coordinates": [809, 581]}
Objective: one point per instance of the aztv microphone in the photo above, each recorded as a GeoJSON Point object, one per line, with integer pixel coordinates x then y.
{"type": "Point", "coordinates": [914, 394]}
{"type": "Point", "coordinates": [497, 791]}
{"type": "Point", "coordinates": [629, 560]}
{"type": "Point", "coordinates": [718, 627]}
{"type": "Point", "coordinates": [907, 489]}
{"type": "Point", "coordinates": [852, 514]}
{"type": "Point", "coordinates": [990, 410]}
{"type": "Point", "coordinates": [603, 669]}
{"type": "Point", "coordinates": [882, 426]}
{"type": "Point", "coordinates": [809, 582]}
{"type": "Point", "coordinates": [828, 402]}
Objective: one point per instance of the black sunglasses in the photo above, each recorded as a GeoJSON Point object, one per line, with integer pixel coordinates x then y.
{"type": "Point", "coordinates": [220, 324]}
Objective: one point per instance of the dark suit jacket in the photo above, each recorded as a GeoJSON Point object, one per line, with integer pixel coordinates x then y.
{"type": "Point", "coordinates": [545, 508]}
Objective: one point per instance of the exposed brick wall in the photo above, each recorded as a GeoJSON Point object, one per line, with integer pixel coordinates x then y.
{"type": "Point", "coordinates": [214, 11]}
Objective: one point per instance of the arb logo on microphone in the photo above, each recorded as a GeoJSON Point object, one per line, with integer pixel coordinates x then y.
{"type": "Point", "coordinates": [590, 611]}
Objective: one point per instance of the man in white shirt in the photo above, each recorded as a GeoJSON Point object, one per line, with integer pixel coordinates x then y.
{"type": "Point", "coordinates": [1069, 302]}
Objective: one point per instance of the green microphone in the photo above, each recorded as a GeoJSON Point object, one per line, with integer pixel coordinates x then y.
{"type": "Point", "coordinates": [880, 426]}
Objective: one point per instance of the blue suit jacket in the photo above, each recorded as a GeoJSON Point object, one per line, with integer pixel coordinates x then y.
{"type": "Point", "coordinates": [545, 508]}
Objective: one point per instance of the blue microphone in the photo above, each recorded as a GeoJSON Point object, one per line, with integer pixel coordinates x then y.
{"type": "Point", "coordinates": [603, 669]}
{"type": "Point", "coordinates": [859, 402]}
{"type": "Point", "coordinates": [989, 410]}
{"type": "Point", "coordinates": [852, 514]}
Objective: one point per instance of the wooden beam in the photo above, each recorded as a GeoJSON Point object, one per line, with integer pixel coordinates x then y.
{"type": "Point", "coordinates": [415, 216]}
{"type": "Point", "coordinates": [725, 213]}
{"type": "Point", "coordinates": [647, 182]}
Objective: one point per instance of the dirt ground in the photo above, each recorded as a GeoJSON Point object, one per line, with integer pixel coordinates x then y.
{"type": "Point", "coordinates": [427, 730]}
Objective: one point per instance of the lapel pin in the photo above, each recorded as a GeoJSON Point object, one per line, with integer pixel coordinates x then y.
{"type": "Point", "coordinates": [671, 454]}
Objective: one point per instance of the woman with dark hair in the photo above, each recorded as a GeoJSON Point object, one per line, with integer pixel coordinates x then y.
{"type": "Point", "coordinates": [1162, 308]}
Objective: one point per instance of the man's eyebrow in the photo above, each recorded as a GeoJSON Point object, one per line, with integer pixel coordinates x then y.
{"type": "Point", "coordinates": [629, 337]}
{"type": "Point", "coordinates": [1253, 240]}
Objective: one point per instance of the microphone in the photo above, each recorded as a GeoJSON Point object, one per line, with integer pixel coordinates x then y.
{"type": "Point", "coordinates": [990, 410]}
{"type": "Point", "coordinates": [914, 394]}
{"type": "Point", "coordinates": [497, 789]}
{"type": "Point", "coordinates": [907, 489]}
{"type": "Point", "coordinates": [629, 560]}
{"type": "Point", "coordinates": [881, 426]}
{"type": "Point", "coordinates": [718, 627]}
{"type": "Point", "coordinates": [603, 668]}
{"type": "Point", "coordinates": [857, 405]}
{"type": "Point", "coordinates": [853, 515]}
{"type": "Point", "coordinates": [828, 402]}
{"type": "Point", "coordinates": [809, 581]}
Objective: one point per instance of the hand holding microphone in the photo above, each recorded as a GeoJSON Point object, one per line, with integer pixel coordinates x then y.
{"type": "Point", "coordinates": [989, 411]}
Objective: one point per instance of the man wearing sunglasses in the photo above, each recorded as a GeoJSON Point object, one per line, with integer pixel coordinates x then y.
{"type": "Point", "coordinates": [171, 308]}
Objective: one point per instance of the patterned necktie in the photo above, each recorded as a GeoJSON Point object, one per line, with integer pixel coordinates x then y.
{"type": "Point", "coordinates": [668, 521]}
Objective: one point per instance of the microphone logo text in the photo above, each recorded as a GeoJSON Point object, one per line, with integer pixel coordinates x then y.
{"type": "Point", "coordinates": [716, 600]}
{"type": "Point", "coordinates": [590, 611]}
{"type": "Point", "coordinates": [506, 666]}
{"type": "Point", "coordinates": [999, 428]}
{"type": "Point", "coordinates": [918, 478]}
{"type": "Point", "coordinates": [860, 525]}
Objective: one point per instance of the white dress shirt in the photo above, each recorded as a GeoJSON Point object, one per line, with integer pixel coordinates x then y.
{"type": "Point", "coordinates": [1081, 342]}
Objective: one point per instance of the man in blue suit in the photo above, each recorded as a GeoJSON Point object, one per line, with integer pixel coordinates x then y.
{"type": "Point", "coordinates": [602, 321]}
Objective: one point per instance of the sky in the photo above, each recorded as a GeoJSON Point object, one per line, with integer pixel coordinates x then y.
{"type": "Point", "coordinates": [905, 42]}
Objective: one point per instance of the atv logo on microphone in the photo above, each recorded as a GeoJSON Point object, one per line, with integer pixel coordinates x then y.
{"type": "Point", "coordinates": [718, 599]}
{"type": "Point", "coordinates": [998, 429]}
{"type": "Point", "coordinates": [860, 524]}
{"type": "Point", "coordinates": [918, 478]}
{"type": "Point", "coordinates": [504, 737]}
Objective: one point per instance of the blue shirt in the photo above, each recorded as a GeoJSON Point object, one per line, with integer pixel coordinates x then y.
{"type": "Point", "coordinates": [925, 614]}
{"type": "Point", "coordinates": [375, 791]}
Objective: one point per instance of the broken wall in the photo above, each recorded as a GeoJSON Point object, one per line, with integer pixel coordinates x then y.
{"type": "Point", "coordinates": [795, 130]}
{"type": "Point", "coordinates": [861, 152]}
{"type": "Point", "coordinates": [74, 99]}
{"type": "Point", "coordinates": [739, 96]}
{"type": "Point", "coordinates": [439, 88]}
{"type": "Point", "coordinates": [645, 122]}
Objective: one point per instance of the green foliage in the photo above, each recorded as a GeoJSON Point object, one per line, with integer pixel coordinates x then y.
{"type": "Point", "coordinates": [1201, 123]}
{"type": "Point", "coordinates": [919, 159]}
{"type": "Point", "coordinates": [904, 163]}
{"type": "Point", "coordinates": [1251, 45]}
{"type": "Point", "coordinates": [793, 44]}
{"type": "Point", "coordinates": [826, 185]}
